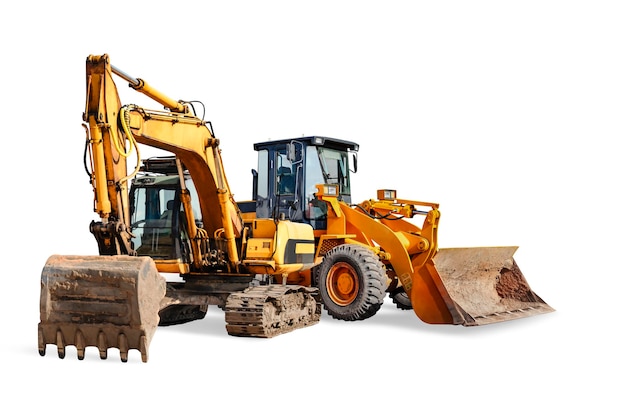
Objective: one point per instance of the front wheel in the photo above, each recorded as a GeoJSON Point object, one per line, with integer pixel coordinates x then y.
{"type": "Point", "coordinates": [352, 282]}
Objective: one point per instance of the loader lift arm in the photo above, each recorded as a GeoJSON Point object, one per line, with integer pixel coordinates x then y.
{"type": "Point", "coordinates": [459, 286]}
{"type": "Point", "coordinates": [408, 248]}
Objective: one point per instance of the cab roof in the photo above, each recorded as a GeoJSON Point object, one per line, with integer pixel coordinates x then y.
{"type": "Point", "coordinates": [325, 141]}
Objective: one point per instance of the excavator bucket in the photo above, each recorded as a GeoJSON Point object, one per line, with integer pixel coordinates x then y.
{"type": "Point", "coordinates": [101, 301]}
{"type": "Point", "coordinates": [486, 285]}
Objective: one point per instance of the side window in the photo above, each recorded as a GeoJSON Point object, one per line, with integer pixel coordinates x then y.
{"type": "Point", "coordinates": [138, 207]}
{"type": "Point", "coordinates": [285, 177]}
{"type": "Point", "coordinates": [263, 169]}
{"type": "Point", "coordinates": [152, 222]}
{"type": "Point", "coordinates": [335, 166]}
{"type": "Point", "coordinates": [316, 210]}
{"type": "Point", "coordinates": [195, 202]}
{"type": "Point", "coordinates": [262, 185]}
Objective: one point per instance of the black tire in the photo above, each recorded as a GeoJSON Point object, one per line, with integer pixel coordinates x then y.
{"type": "Point", "coordinates": [352, 282]}
{"type": "Point", "coordinates": [401, 299]}
{"type": "Point", "coordinates": [180, 314]}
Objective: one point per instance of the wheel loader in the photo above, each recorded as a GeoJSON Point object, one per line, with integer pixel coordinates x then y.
{"type": "Point", "coordinates": [381, 246]}
{"type": "Point", "coordinates": [169, 215]}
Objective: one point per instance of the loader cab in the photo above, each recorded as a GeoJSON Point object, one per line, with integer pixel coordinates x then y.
{"type": "Point", "coordinates": [288, 170]}
{"type": "Point", "coordinates": [157, 216]}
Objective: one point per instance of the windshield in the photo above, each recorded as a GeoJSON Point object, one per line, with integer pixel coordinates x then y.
{"type": "Point", "coordinates": [335, 168]}
{"type": "Point", "coordinates": [324, 166]}
{"type": "Point", "coordinates": [158, 222]}
{"type": "Point", "coordinates": [152, 221]}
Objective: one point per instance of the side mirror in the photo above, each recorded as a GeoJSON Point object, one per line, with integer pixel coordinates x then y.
{"type": "Point", "coordinates": [255, 183]}
{"type": "Point", "coordinates": [291, 152]}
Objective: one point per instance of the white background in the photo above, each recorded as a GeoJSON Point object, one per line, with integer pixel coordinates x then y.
{"type": "Point", "coordinates": [509, 114]}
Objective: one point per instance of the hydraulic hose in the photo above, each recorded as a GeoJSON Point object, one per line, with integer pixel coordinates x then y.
{"type": "Point", "coordinates": [125, 121]}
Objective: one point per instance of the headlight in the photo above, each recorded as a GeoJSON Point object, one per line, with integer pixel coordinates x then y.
{"type": "Point", "coordinates": [331, 190]}
{"type": "Point", "coordinates": [386, 194]}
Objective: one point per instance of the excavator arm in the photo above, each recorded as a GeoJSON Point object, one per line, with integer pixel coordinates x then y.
{"type": "Point", "coordinates": [112, 126]}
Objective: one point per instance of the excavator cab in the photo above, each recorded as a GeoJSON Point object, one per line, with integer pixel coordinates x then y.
{"type": "Point", "coordinates": [158, 221]}
{"type": "Point", "coordinates": [155, 228]}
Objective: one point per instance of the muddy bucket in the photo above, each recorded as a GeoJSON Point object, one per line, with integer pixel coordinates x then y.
{"type": "Point", "coordinates": [487, 284]}
{"type": "Point", "coordinates": [101, 301]}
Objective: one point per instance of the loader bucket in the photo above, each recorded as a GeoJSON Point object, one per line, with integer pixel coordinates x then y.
{"type": "Point", "coordinates": [486, 285]}
{"type": "Point", "coordinates": [101, 301]}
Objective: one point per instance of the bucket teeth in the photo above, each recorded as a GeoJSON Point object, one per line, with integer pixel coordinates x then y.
{"type": "Point", "coordinates": [81, 342]}
{"type": "Point", "coordinates": [60, 344]}
{"type": "Point", "coordinates": [80, 345]}
{"type": "Point", "coordinates": [143, 348]}
{"type": "Point", "coordinates": [122, 342]}
{"type": "Point", "coordinates": [41, 343]}
{"type": "Point", "coordinates": [102, 345]}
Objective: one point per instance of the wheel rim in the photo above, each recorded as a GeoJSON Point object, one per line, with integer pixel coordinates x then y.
{"type": "Point", "coordinates": [342, 284]}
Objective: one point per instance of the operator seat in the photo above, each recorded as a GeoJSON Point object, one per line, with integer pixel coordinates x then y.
{"type": "Point", "coordinates": [286, 181]}
{"type": "Point", "coordinates": [157, 239]}
{"type": "Point", "coordinates": [168, 213]}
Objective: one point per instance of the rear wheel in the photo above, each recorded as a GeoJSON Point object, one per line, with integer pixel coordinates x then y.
{"type": "Point", "coordinates": [352, 282]}
{"type": "Point", "coordinates": [181, 313]}
{"type": "Point", "coordinates": [401, 299]}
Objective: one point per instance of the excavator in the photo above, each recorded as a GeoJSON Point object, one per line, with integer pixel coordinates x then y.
{"type": "Point", "coordinates": [381, 246]}
{"type": "Point", "coordinates": [168, 215]}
